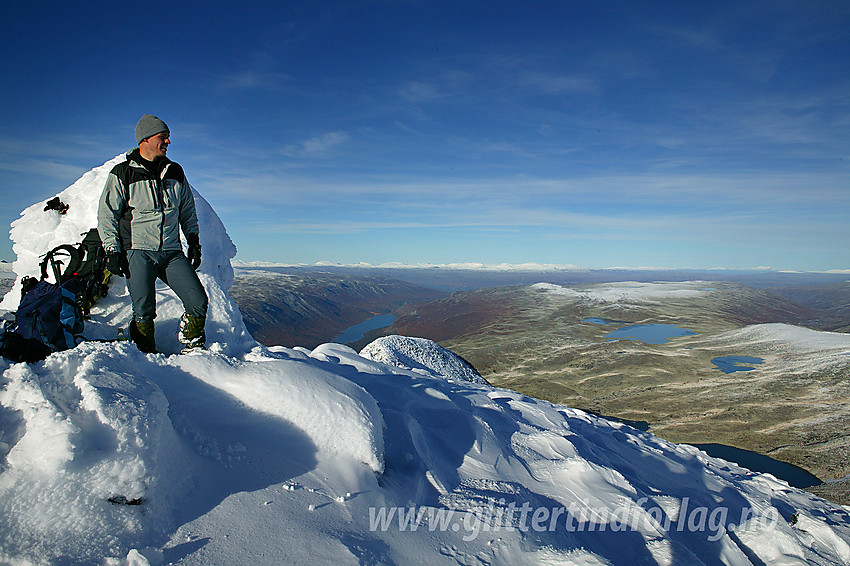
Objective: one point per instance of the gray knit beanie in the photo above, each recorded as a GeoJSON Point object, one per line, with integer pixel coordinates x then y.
{"type": "Point", "coordinates": [148, 126]}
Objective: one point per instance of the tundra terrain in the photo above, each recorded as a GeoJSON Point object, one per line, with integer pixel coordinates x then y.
{"type": "Point", "coordinates": [538, 340]}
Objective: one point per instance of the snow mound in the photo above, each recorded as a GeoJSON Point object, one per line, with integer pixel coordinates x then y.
{"type": "Point", "coordinates": [94, 433]}
{"type": "Point", "coordinates": [301, 393]}
{"type": "Point", "coordinates": [38, 231]}
{"type": "Point", "coordinates": [85, 426]}
{"type": "Point", "coordinates": [421, 354]}
{"type": "Point", "coordinates": [629, 291]}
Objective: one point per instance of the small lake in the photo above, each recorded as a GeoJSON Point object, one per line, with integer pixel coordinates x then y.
{"type": "Point", "coordinates": [598, 320]}
{"type": "Point", "coordinates": [649, 333]}
{"type": "Point", "coordinates": [358, 331]}
{"type": "Point", "coordinates": [729, 364]}
{"type": "Point", "coordinates": [794, 475]}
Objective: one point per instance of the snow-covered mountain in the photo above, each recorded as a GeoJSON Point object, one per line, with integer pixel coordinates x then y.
{"type": "Point", "coordinates": [244, 454]}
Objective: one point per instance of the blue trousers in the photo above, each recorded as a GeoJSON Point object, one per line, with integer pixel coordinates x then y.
{"type": "Point", "coordinates": [175, 270]}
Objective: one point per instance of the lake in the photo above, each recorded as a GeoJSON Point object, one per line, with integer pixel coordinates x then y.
{"type": "Point", "coordinates": [794, 475]}
{"type": "Point", "coordinates": [729, 364]}
{"type": "Point", "coordinates": [649, 333]}
{"type": "Point", "coordinates": [595, 320]}
{"type": "Point", "coordinates": [358, 331]}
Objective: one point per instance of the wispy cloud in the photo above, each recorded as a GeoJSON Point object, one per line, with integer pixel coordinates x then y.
{"type": "Point", "coordinates": [548, 83]}
{"type": "Point", "coordinates": [316, 145]}
{"type": "Point", "coordinates": [55, 148]}
{"type": "Point", "coordinates": [420, 91]}
{"type": "Point", "coordinates": [748, 190]}
{"type": "Point", "coordinates": [251, 79]}
{"type": "Point", "coordinates": [707, 36]}
{"type": "Point", "coordinates": [259, 71]}
{"type": "Point", "coordinates": [45, 165]}
{"type": "Point", "coordinates": [43, 168]}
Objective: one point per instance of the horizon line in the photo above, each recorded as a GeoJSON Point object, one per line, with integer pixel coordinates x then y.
{"type": "Point", "coordinates": [528, 266]}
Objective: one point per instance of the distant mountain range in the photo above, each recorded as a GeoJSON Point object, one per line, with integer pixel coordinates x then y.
{"type": "Point", "coordinates": [831, 300]}
{"type": "Point", "coordinates": [286, 303]}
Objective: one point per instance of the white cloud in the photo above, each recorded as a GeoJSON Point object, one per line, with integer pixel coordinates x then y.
{"type": "Point", "coordinates": [316, 145]}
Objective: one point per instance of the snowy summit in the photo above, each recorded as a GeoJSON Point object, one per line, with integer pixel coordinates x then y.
{"type": "Point", "coordinates": [243, 454]}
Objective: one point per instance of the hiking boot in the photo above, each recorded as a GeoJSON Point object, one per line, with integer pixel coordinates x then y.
{"type": "Point", "coordinates": [142, 334]}
{"type": "Point", "coordinates": [192, 333]}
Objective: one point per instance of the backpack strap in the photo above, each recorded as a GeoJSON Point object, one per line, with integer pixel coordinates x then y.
{"type": "Point", "coordinates": [92, 272]}
{"type": "Point", "coordinates": [53, 258]}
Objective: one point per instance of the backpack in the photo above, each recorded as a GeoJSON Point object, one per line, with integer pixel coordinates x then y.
{"type": "Point", "coordinates": [48, 320]}
{"type": "Point", "coordinates": [85, 263]}
{"type": "Point", "coordinates": [51, 316]}
{"type": "Point", "coordinates": [19, 349]}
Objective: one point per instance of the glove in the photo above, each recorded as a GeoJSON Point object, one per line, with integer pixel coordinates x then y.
{"type": "Point", "coordinates": [194, 251]}
{"type": "Point", "coordinates": [116, 263]}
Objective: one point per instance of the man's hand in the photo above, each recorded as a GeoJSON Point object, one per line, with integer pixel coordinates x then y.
{"type": "Point", "coordinates": [194, 251]}
{"type": "Point", "coordinates": [116, 263]}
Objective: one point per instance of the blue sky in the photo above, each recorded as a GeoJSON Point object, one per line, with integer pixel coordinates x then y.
{"type": "Point", "coordinates": [597, 133]}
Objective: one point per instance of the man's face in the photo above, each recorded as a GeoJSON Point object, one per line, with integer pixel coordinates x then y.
{"type": "Point", "coordinates": [155, 146]}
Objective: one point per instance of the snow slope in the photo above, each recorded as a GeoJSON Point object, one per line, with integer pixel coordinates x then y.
{"type": "Point", "coordinates": [630, 291]}
{"type": "Point", "coordinates": [777, 337]}
{"type": "Point", "coordinates": [243, 454]}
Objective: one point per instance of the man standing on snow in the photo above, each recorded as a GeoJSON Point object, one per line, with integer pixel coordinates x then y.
{"type": "Point", "coordinates": [145, 204]}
